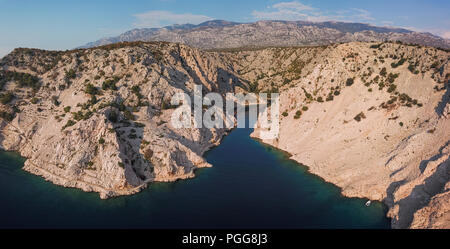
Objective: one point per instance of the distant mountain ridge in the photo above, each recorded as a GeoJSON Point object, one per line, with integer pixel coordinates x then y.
{"type": "Point", "coordinates": [220, 34]}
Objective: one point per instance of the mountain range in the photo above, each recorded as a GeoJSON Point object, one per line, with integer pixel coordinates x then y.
{"type": "Point", "coordinates": [220, 34]}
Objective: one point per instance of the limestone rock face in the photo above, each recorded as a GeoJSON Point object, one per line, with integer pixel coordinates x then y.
{"type": "Point", "coordinates": [436, 215]}
{"type": "Point", "coordinates": [99, 119]}
{"type": "Point", "coordinates": [446, 112]}
{"type": "Point", "coordinates": [372, 118]}
{"type": "Point", "coordinates": [376, 126]}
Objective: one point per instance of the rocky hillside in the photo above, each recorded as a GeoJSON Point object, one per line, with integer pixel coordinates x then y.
{"type": "Point", "coordinates": [372, 118]}
{"type": "Point", "coordinates": [222, 34]}
{"type": "Point", "coordinates": [97, 119]}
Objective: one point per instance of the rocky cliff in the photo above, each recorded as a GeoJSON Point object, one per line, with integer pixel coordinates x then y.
{"type": "Point", "coordinates": [372, 118]}
{"type": "Point", "coordinates": [98, 119]}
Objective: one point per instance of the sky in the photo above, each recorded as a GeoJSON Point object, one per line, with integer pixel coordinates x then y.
{"type": "Point", "coordinates": [61, 25]}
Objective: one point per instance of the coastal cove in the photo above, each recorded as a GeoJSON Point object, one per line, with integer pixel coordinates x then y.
{"type": "Point", "coordinates": [251, 185]}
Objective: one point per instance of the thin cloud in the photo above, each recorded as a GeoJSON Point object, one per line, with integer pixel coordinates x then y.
{"type": "Point", "coordinates": [161, 18]}
{"type": "Point", "coordinates": [443, 33]}
{"type": "Point", "coordinates": [446, 34]}
{"type": "Point", "coordinates": [293, 11]}
{"type": "Point", "coordinates": [363, 14]}
{"type": "Point", "coordinates": [292, 6]}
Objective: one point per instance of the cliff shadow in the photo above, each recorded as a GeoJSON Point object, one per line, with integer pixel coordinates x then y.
{"type": "Point", "coordinates": [189, 142]}
{"type": "Point", "coordinates": [423, 165]}
{"type": "Point", "coordinates": [129, 141]}
{"type": "Point", "coordinates": [445, 99]}
{"type": "Point", "coordinates": [419, 197]}
{"type": "Point", "coordinates": [227, 82]}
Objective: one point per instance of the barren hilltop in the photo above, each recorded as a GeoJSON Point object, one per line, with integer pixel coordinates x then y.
{"type": "Point", "coordinates": [371, 117]}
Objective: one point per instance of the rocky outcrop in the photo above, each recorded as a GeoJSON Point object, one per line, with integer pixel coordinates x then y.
{"type": "Point", "coordinates": [98, 119]}
{"type": "Point", "coordinates": [372, 119]}
{"type": "Point", "coordinates": [436, 214]}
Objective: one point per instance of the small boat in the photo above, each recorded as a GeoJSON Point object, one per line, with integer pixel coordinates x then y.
{"type": "Point", "coordinates": [368, 203]}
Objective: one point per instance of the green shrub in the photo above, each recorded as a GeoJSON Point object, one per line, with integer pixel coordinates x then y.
{"type": "Point", "coordinates": [93, 100]}
{"type": "Point", "coordinates": [139, 125]}
{"type": "Point", "coordinates": [71, 74]}
{"type": "Point", "coordinates": [167, 106]}
{"type": "Point", "coordinates": [285, 114]}
{"type": "Point", "coordinates": [128, 115]}
{"type": "Point", "coordinates": [78, 115]}
{"type": "Point", "coordinates": [55, 101]}
{"type": "Point", "coordinates": [148, 154]}
{"type": "Point", "coordinates": [110, 84]}
{"type": "Point", "coordinates": [101, 141]}
{"type": "Point", "coordinates": [69, 123]}
{"type": "Point", "coordinates": [7, 116]}
{"type": "Point", "coordinates": [22, 79]}
{"type": "Point", "coordinates": [383, 72]}
{"type": "Point", "coordinates": [137, 90]}
{"type": "Point", "coordinates": [392, 77]}
{"type": "Point", "coordinates": [113, 117]}
{"type": "Point", "coordinates": [91, 89]}
{"type": "Point", "coordinates": [6, 98]}
{"type": "Point", "coordinates": [392, 88]}
{"type": "Point", "coordinates": [253, 87]}
{"type": "Point", "coordinates": [67, 109]}
{"type": "Point", "coordinates": [87, 115]}
{"type": "Point", "coordinates": [349, 82]}
{"type": "Point", "coordinates": [399, 63]}
{"type": "Point", "coordinates": [360, 116]}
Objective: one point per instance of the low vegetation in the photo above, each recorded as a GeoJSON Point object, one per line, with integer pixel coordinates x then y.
{"type": "Point", "coordinates": [6, 98]}
{"type": "Point", "coordinates": [22, 79]}
{"type": "Point", "coordinates": [360, 117]}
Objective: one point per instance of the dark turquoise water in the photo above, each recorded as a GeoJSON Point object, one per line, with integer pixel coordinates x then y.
{"type": "Point", "coordinates": [250, 186]}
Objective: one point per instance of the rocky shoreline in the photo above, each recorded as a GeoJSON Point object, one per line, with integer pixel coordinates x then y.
{"type": "Point", "coordinates": [99, 120]}
{"type": "Point", "coordinates": [371, 118]}
{"type": "Point", "coordinates": [396, 154]}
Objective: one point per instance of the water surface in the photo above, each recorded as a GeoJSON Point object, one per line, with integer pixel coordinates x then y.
{"type": "Point", "coordinates": [250, 186]}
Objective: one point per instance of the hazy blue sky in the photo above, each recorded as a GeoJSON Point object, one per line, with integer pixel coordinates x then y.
{"type": "Point", "coordinates": [56, 24]}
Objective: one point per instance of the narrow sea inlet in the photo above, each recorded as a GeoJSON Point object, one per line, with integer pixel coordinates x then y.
{"type": "Point", "coordinates": [250, 186]}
